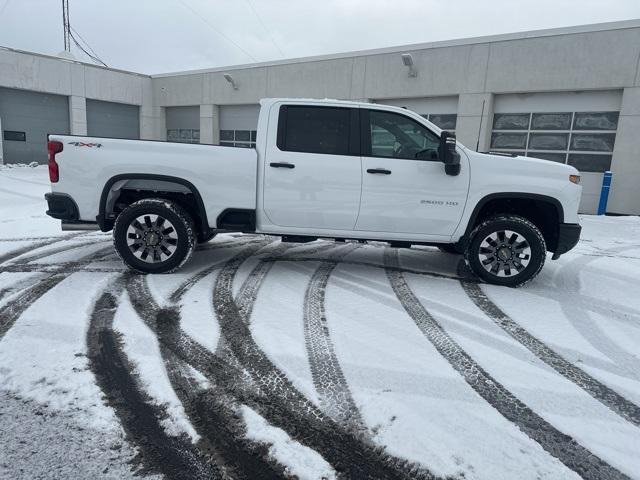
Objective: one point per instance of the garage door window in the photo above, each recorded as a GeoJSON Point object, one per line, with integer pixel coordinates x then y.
{"type": "Point", "coordinates": [445, 121]}
{"type": "Point", "coordinates": [183, 135]}
{"type": "Point", "coordinates": [14, 136]}
{"type": "Point", "coordinates": [582, 139]}
{"type": "Point", "coordinates": [238, 138]}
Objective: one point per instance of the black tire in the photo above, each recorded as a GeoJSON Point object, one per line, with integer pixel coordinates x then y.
{"type": "Point", "coordinates": [449, 248]}
{"type": "Point", "coordinates": [174, 234]}
{"type": "Point", "coordinates": [499, 257]}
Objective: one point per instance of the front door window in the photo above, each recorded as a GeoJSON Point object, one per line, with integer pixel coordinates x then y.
{"type": "Point", "coordinates": [397, 136]}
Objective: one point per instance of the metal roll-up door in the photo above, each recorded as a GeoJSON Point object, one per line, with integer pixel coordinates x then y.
{"type": "Point", "coordinates": [25, 119]}
{"type": "Point", "coordinates": [113, 120]}
{"type": "Point", "coordinates": [238, 125]}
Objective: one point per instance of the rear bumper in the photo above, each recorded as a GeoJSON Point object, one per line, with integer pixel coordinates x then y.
{"type": "Point", "coordinates": [62, 207]}
{"type": "Point", "coordinates": [568, 236]}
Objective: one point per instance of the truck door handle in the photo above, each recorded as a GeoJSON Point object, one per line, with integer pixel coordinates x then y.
{"type": "Point", "coordinates": [383, 171]}
{"type": "Point", "coordinates": [282, 165]}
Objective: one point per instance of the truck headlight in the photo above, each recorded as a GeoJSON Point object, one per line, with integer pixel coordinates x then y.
{"type": "Point", "coordinates": [574, 179]}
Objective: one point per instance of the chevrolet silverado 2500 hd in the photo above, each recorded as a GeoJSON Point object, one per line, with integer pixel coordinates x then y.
{"type": "Point", "coordinates": [320, 169]}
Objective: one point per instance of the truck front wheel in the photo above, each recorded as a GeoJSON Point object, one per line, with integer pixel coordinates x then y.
{"type": "Point", "coordinates": [154, 236]}
{"type": "Point", "coordinates": [506, 250]}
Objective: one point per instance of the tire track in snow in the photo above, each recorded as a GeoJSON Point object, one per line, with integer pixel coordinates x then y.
{"type": "Point", "coordinates": [141, 296]}
{"type": "Point", "coordinates": [573, 455]}
{"type": "Point", "coordinates": [327, 374]}
{"type": "Point", "coordinates": [285, 407]}
{"type": "Point", "coordinates": [569, 280]}
{"type": "Point", "coordinates": [26, 260]}
{"type": "Point", "coordinates": [174, 457]}
{"type": "Point", "coordinates": [22, 250]}
{"type": "Point", "coordinates": [18, 285]}
{"type": "Point", "coordinates": [14, 308]}
{"type": "Point", "coordinates": [425, 273]}
{"type": "Point", "coordinates": [10, 312]}
{"type": "Point", "coordinates": [605, 395]}
{"type": "Point", "coordinates": [179, 292]}
{"type": "Point", "coordinates": [211, 412]}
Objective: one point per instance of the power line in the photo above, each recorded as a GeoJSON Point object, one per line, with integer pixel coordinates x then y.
{"type": "Point", "coordinates": [69, 36]}
{"type": "Point", "coordinates": [184, 4]}
{"type": "Point", "coordinates": [92, 57]}
{"type": "Point", "coordinates": [265, 28]}
{"type": "Point", "coordinates": [95, 55]}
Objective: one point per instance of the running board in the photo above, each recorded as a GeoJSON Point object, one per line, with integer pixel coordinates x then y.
{"type": "Point", "coordinates": [83, 226]}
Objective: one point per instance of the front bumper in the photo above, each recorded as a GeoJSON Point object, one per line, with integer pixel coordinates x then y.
{"type": "Point", "coordinates": [568, 236]}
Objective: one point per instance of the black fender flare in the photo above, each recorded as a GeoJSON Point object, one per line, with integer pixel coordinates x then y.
{"type": "Point", "coordinates": [510, 196]}
{"type": "Point", "coordinates": [105, 224]}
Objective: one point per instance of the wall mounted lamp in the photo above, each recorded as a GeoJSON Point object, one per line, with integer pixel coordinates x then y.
{"type": "Point", "coordinates": [407, 60]}
{"type": "Point", "coordinates": [231, 80]}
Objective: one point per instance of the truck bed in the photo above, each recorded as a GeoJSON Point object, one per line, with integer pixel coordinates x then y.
{"type": "Point", "coordinates": [87, 164]}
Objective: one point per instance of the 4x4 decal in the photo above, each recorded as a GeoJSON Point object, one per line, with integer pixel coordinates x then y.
{"type": "Point", "coordinates": [82, 144]}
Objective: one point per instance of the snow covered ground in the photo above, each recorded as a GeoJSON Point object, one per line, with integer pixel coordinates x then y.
{"type": "Point", "coordinates": [269, 360]}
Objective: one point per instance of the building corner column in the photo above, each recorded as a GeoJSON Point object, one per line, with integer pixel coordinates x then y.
{"type": "Point", "coordinates": [77, 115]}
{"type": "Point", "coordinates": [625, 164]}
{"type": "Point", "coordinates": [209, 124]}
{"type": "Point", "coordinates": [475, 113]}
{"type": "Point", "coordinates": [152, 123]}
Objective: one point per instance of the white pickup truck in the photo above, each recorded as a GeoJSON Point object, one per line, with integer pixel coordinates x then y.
{"type": "Point", "coordinates": [320, 169]}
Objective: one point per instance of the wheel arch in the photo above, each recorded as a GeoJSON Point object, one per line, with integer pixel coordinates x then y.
{"type": "Point", "coordinates": [106, 223]}
{"type": "Point", "coordinates": [542, 210]}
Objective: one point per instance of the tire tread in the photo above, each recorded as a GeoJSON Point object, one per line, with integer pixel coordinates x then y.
{"type": "Point", "coordinates": [515, 219]}
{"type": "Point", "coordinates": [177, 210]}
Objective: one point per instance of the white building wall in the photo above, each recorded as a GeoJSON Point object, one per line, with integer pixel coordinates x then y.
{"type": "Point", "coordinates": [425, 105]}
{"type": "Point", "coordinates": [476, 71]}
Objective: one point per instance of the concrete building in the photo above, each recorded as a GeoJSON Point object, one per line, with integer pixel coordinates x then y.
{"type": "Point", "coordinates": [569, 95]}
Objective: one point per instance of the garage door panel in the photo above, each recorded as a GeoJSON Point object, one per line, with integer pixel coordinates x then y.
{"type": "Point", "coordinates": [36, 114]}
{"type": "Point", "coordinates": [114, 120]}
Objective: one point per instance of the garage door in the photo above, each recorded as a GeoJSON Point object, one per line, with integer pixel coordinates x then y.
{"type": "Point", "coordinates": [183, 124]}
{"type": "Point", "coordinates": [578, 128]}
{"type": "Point", "coordinates": [114, 120]}
{"type": "Point", "coordinates": [26, 118]}
{"type": "Point", "coordinates": [238, 124]}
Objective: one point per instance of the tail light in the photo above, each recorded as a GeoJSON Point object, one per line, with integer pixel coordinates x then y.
{"type": "Point", "coordinates": [54, 174]}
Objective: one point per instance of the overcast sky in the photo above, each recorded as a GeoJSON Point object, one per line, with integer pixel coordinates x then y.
{"type": "Point", "coordinates": [157, 36]}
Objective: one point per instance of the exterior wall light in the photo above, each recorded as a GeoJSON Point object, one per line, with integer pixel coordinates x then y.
{"type": "Point", "coordinates": [407, 59]}
{"type": "Point", "coordinates": [230, 79]}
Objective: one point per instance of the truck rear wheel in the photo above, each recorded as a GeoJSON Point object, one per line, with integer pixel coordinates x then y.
{"type": "Point", "coordinates": [154, 236]}
{"type": "Point", "coordinates": [506, 250]}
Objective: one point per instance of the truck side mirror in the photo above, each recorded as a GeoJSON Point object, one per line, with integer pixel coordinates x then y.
{"type": "Point", "coordinates": [448, 155]}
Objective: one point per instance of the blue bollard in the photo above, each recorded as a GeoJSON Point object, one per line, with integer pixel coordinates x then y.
{"type": "Point", "coordinates": [604, 193]}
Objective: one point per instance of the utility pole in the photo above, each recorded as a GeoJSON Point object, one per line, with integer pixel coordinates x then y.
{"type": "Point", "coordinates": [65, 25]}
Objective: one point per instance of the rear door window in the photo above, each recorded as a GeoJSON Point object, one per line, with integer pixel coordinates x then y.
{"type": "Point", "coordinates": [310, 129]}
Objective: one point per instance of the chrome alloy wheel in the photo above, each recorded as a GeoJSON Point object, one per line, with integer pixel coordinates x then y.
{"type": "Point", "coordinates": [152, 238]}
{"type": "Point", "coordinates": [504, 253]}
